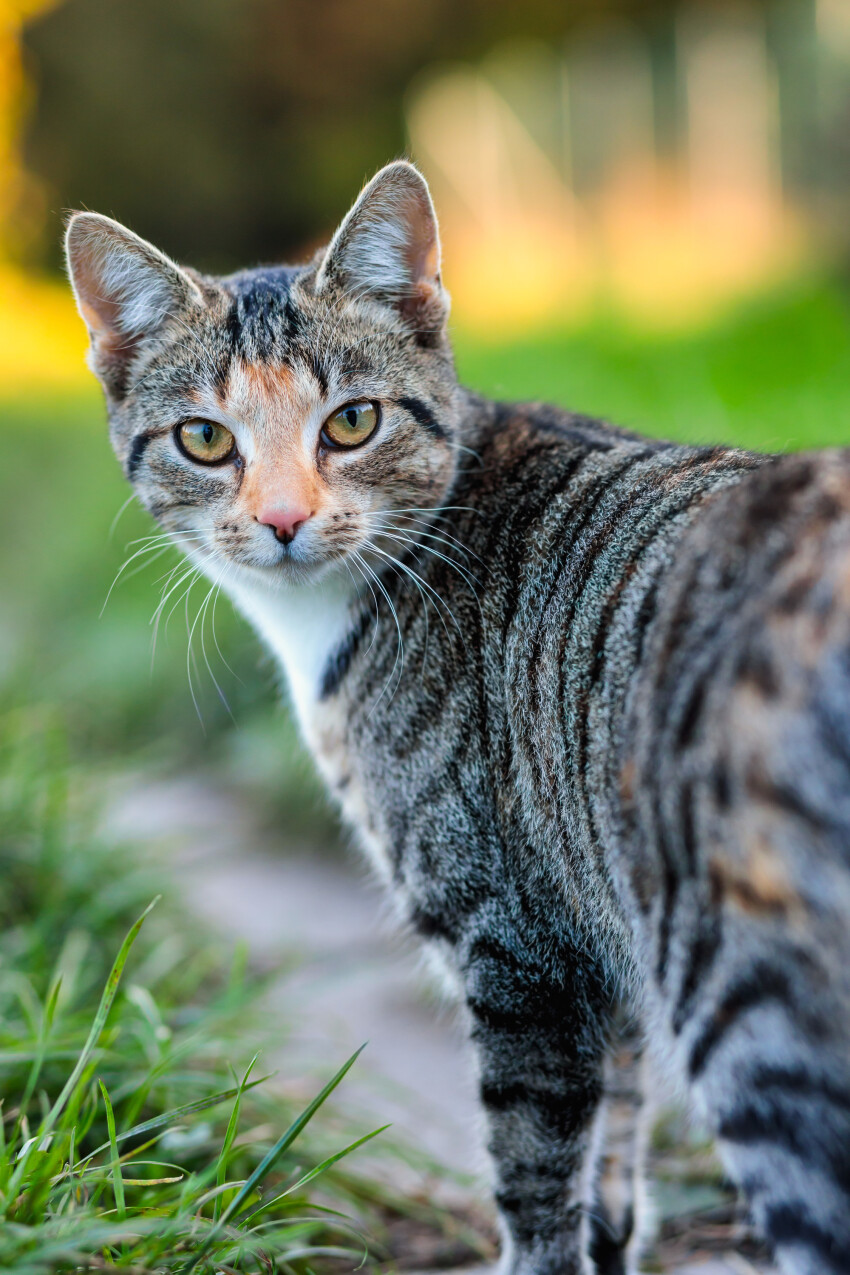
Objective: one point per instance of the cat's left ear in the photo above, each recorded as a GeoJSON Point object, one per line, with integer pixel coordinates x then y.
{"type": "Point", "coordinates": [388, 249]}
{"type": "Point", "coordinates": [126, 290]}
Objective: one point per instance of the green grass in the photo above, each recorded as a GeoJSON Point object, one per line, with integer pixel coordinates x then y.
{"type": "Point", "coordinates": [136, 1130]}
{"type": "Point", "coordinates": [773, 376]}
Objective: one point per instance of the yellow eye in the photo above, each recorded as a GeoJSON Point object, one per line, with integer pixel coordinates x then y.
{"type": "Point", "coordinates": [205, 441]}
{"type": "Point", "coordinates": [351, 425]}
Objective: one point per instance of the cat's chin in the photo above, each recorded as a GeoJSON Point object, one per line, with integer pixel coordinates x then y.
{"type": "Point", "coordinates": [291, 571]}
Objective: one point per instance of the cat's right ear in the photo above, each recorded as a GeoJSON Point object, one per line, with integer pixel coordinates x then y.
{"type": "Point", "coordinates": [388, 250]}
{"type": "Point", "coordinates": [125, 290]}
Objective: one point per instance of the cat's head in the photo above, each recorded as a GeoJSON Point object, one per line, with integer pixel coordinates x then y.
{"type": "Point", "coordinates": [272, 420]}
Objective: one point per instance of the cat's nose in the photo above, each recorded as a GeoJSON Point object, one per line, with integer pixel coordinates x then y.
{"type": "Point", "coordinates": [284, 522]}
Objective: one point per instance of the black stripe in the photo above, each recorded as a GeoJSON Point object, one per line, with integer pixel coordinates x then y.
{"type": "Point", "coordinates": [798, 1080]}
{"type": "Point", "coordinates": [423, 416]}
{"type": "Point", "coordinates": [523, 515]}
{"type": "Point", "coordinates": [545, 1214]}
{"type": "Point", "coordinates": [221, 370]}
{"type": "Point", "coordinates": [137, 451]}
{"type": "Point", "coordinates": [318, 370]}
{"type": "Point", "coordinates": [574, 552]}
{"type": "Point", "coordinates": [764, 788]}
{"type": "Point", "coordinates": [487, 947]}
{"type": "Point", "coordinates": [565, 1110]}
{"type": "Point", "coordinates": [833, 725]}
{"type": "Point", "coordinates": [160, 507]}
{"type": "Point", "coordinates": [597, 659]}
{"type": "Point", "coordinates": [339, 661]}
{"type": "Point", "coordinates": [429, 925]}
{"type": "Point", "coordinates": [791, 1223]}
{"type": "Point", "coordinates": [501, 1020]}
{"type": "Point", "coordinates": [703, 952]}
{"type": "Point", "coordinates": [670, 890]}
{"type": "Point", "coordinates": [763, 983]}
{"type": "Point", "coordinates": [336, 667]}
{"type": "Point", "coordinates": [605, 1243]}
{"type": "Point", "coordinates": [776, 1125]}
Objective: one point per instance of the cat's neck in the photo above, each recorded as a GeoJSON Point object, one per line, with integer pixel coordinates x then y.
{"type": "Point", "coordinates": [301, 624]}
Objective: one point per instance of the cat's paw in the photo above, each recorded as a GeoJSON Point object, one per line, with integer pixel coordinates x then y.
{"type": "Point", "coordinates": [611, 1248]}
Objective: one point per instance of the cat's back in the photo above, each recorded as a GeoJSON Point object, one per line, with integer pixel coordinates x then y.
{"type": "Point", "coordinates": [740, 729]}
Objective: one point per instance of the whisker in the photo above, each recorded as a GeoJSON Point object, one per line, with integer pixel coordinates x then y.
{"type": "Point", "coordinates": [156, 554]}
{"type": "Point", "coordinates": [140, 553]}
{"type": "Point", "coordinates": [432, 509]}
{"type": "Point", "coordinates": [451, 542]}
{"type": "Point", "coordinates": [157, 615]}
{"type": "Point", "coordinates": [212, 625]}
{"type": "Point", "coordinates": [466, 575]}
{"type": "Point", "coordinates": [433, 592]}
{"type": "Point", "coordinates": [460, 447]}
{"type": "Point", "coordinates": [428, 522]}
{"type": "Point", "coordinates": [202, 617]}
{"type": "Point", "coordinates": [111, 532]}
{"type": "Point", "coordinates": [190, 653]}
{"type": "Point", "coordinates": [468, 578]}
{"type": "Point", "coordinates": [365, 578]}
{"type": "Point", "coordinates": [400, 644]}
{"type": "Point", "coordinates": [196, 534]}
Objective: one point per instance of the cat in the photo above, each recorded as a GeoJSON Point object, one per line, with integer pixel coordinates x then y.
{"type": "Point", "coordinates": [585, 697]}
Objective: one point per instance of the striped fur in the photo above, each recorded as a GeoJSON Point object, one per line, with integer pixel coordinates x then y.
{"type": "Point", "coordinates": [608, 779]}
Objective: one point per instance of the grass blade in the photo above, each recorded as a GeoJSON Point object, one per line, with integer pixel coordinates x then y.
{"type": "Point", "coordinates": [232, 1124]}
{"type": "Point", "coordinates": [117, 1180]}
{"type": "Point", "coordinates": [269, 1159]}
{"type": "Point", "coordinates": [88, 1049]}
{"type": "Point", "coordinates": [308, 1177]}
{"type": "Point", "coordinates": [177, 1113]}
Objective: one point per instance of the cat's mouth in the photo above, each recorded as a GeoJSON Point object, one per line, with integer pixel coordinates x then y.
{"type": "Point", "coordinates": [308, 555]}
{"type": "Point", "coordinates": [287, 563]}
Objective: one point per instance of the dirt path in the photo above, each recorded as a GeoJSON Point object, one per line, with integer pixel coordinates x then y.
{"type": "Point", "coordinates": [355, 978]}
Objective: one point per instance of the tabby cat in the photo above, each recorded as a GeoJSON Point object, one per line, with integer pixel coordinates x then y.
{"type": "Point", "coordinates": [585, 697]}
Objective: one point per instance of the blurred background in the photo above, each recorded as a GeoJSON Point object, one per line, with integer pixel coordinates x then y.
{"type": "Point", "coordinates": [645, 209]}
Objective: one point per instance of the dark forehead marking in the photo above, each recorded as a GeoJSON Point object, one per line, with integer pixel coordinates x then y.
{"type": "Point", "coordinates": [263, 318]}
{"type": "Point", "coordinates": [248, 284]}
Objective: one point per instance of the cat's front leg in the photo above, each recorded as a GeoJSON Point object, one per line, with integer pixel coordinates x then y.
{"type": "Point", "coordinates": [539, 1027]}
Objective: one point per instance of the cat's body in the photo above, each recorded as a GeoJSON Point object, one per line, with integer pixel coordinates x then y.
{"type": "Point", "coordinates": [592, 724]}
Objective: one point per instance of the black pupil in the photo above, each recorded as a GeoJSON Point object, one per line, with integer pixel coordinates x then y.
{"type": "Point", "coordinates": [209, 434]}
{"type": "Point", "coordinates": [351, 414]}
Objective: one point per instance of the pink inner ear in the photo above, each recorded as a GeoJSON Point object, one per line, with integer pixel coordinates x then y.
{"type": "Point", "coordinates": [424, 247]}
{"type": "Point", "coordinates": [100, 319]}
{"type": "Point", "coordinates": [109, 342]}
{"type": "Point", "coordinates": [113, 344]}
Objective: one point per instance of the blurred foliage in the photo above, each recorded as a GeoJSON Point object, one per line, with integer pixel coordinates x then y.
{"type": "Point", "coordinates": [239, 130]}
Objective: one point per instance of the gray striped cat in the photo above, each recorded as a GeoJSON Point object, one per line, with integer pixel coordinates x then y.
{"type": "Point", "coordinates": [584, 696]}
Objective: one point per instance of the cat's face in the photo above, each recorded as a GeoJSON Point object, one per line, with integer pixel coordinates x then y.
{"type": "Point", "coordinates": [284, 419]}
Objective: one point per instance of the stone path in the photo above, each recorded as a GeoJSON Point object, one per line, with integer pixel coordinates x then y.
{"type": "Point", "coordinates": [355, 978]}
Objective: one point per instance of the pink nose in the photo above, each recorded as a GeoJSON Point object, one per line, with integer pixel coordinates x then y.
{"type": "Point", "coordinates": [284, 521]}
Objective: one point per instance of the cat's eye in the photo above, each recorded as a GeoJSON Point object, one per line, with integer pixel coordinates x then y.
{"type": "Point", "coordinates": [205, 441]}
{"type": "Point", "coordinates": [351, 425]}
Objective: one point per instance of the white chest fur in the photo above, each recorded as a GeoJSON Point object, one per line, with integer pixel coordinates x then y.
{"type": "Point", "coordinates": [302, 625]}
